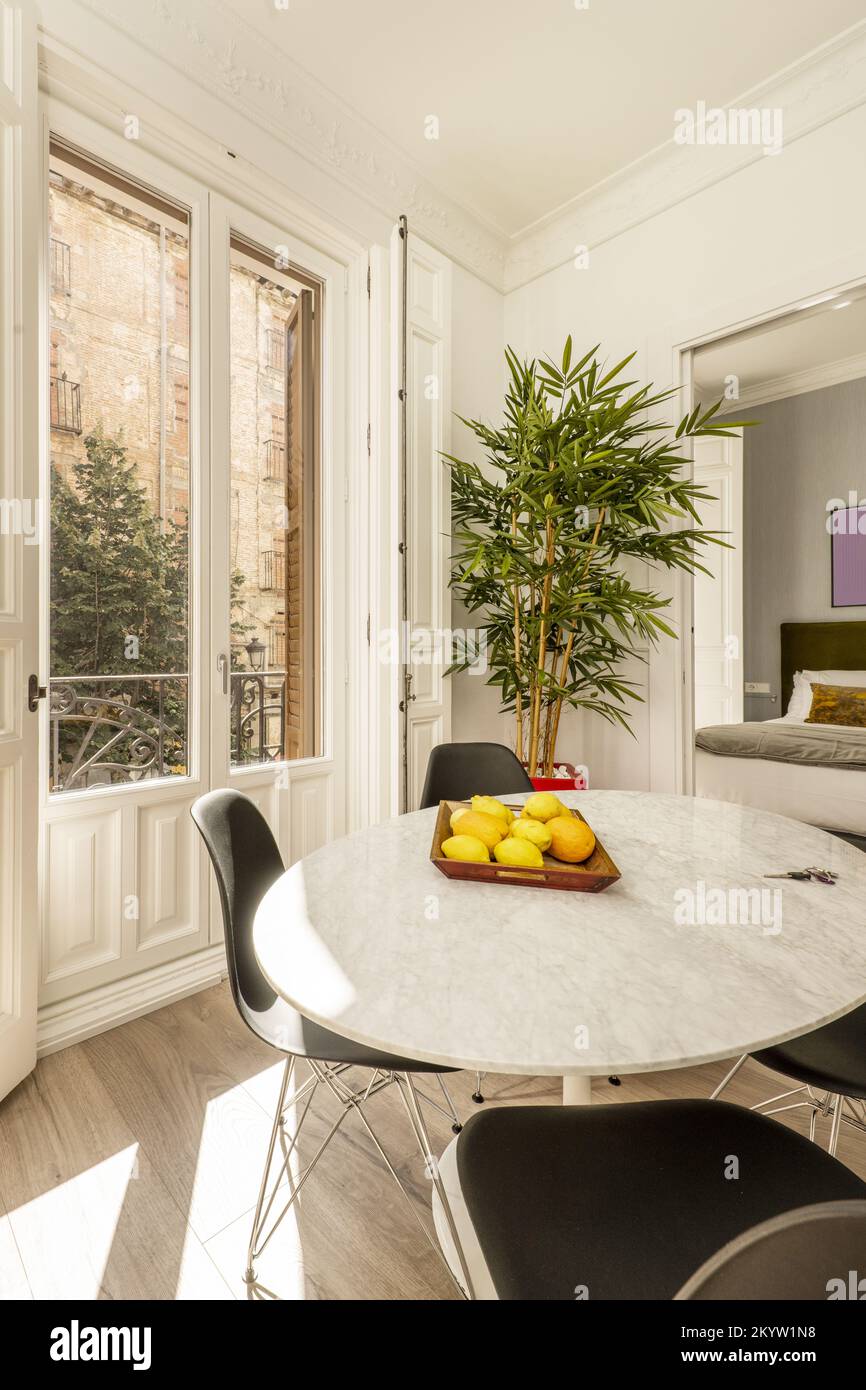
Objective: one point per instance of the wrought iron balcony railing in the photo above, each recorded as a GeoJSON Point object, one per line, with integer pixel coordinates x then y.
{"type": "Point", "coordinates": [111, 730]}
{"type": "Point", "coordinates": [65, 405]}
{"type": "Point", "coordinates": [275, 461]}
{"type": "Point", "coordinates": [114, 729]}
{"type": "Point", "coordinates": [272, 569]}
{"type": "Point", "coordinates": [258, 717]}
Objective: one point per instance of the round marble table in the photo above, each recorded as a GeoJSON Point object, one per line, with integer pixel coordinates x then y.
{"type": "Point", "coordinates": [677, 963]}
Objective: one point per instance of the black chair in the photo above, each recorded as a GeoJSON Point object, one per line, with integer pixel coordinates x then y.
{"type": "Point", "coordinates": [809, 1253]}
{"type": "Point", "coordinates": [628, 1201]}
{"type": "Point", "coordinates": [458, 771]}
{"type": "Point", "coordinates": [831, 1060]}
{"type": "Point", "coordinates": [246, 862]}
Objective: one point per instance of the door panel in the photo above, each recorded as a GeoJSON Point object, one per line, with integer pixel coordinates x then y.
{"type": "Point", "coordinates": [20, 534]}
{"type": "Point", "coordinates": [718, 597]}
{"type": "Point", "coordinates": [428, 326]}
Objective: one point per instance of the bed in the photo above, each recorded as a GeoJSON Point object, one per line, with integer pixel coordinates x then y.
{"type": "Point", "coordinates": [814, 773]}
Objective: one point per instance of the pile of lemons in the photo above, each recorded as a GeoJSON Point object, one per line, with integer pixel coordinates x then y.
{"type": "Point", "coordinates": [544, 826]}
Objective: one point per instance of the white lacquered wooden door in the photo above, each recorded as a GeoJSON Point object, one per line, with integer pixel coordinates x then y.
{"type": "Point", "coordinates": [20, 535]}
{"type": "Point", "coordinates": [427, 643]}
{"type": "Point", "coordinates": [718, 597]}
{"type": "Point", "coordinates": [125, 881]}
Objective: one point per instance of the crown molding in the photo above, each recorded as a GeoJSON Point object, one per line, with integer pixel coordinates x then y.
{"type": "Point", "coordinates": [779, 388]}
{"type": "Point", "coordinates": [203, 40]}
{"type": "Point", "coordinates": [821, 87]}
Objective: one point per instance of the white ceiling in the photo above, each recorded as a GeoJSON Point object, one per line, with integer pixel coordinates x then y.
{"type": "Point", "coordinates": [802, 343]}
{"type": "Point", "coordinates": [538, 102]}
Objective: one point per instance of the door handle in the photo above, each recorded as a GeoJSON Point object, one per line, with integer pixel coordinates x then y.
{"type": "Point", "coordinates": [35, 693]}
{"type": "Point", "coordinates": [223, 668]}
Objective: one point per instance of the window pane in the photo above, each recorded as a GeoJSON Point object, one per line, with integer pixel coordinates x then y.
{"type": "Point", "coordinates": [120, 479]}
{"type": "Point", "coordinates": [274, 390]}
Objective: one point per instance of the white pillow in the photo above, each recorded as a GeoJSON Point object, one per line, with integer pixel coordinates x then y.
{"type": "Point", "coordinates": [800, 702]}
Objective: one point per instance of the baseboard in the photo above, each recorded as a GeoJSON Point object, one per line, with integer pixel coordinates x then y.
{"type": "Point", "coordinates": [72, 1020]}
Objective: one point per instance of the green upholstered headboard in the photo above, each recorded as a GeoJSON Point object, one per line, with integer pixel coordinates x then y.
{"type": "Point", "coordinates": [819, 647]}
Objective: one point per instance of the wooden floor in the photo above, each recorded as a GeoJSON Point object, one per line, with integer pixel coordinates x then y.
{"type": "Point", "coordinates": [129, 1167]}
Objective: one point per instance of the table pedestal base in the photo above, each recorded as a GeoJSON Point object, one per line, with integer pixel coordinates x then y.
{"type": "Point", "coordinates": [577, 1090]}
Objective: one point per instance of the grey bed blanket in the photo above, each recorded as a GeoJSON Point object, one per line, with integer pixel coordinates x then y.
{"type": "Point", "coordinates": [819, 745]}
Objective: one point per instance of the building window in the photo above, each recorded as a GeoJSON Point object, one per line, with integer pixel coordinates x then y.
{"type": "Point", "coordinates": [275, 461]}
{"type": "Point", "coordinates": [181, 402]}
{"type": "Point", "coordinates": [61, 267]}
{"type": "Point", "coordinates": [275, 340]}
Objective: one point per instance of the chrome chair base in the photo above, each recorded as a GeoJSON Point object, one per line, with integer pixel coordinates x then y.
{"type": "Point", "coordinates": [831, 1104]}
{"type": "Point", "coordinates": [351, 1098]}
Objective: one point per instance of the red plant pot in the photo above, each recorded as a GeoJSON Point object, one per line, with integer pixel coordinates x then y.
{"type": "Point", "coordinates": [574, 781]}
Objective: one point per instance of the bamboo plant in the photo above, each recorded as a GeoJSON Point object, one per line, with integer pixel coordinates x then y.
{"type": "Point", "coordinates": [578, 484]}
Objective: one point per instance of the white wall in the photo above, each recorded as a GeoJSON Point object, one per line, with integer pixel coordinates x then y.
{"type": "Point", "coordinates": [783, 229]}
{"type": "Point", "coordinates": [478, 371]}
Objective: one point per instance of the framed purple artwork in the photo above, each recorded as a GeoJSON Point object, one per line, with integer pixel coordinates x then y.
{"type": "Point", "coordinates": [848, 557]}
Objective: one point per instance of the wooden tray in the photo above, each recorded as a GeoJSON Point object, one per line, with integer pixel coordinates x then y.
{"type": "Point", "coordinates": [592, 876]}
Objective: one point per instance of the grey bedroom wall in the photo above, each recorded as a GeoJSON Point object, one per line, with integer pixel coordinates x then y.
{"type": "Point", "coordinates": [806, 450]}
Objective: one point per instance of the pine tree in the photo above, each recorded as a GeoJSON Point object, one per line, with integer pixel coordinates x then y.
{"type": "Point", "coordinates": [114, 574]}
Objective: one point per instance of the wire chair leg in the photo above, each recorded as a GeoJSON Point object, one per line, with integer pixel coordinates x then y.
{"type": "Point", "coordinates": [288, 1072]}
{"type": "Point", "coordinates": [413, 1110]}
{"type": "Point", "coordinates": [477, 1095]}
{"type": "Point", "coordinates": [730, 1076]}
{"type": "Point", "coordinates": [457, 1125]}
{"type": "Point", "coordinates": [837, 1121]}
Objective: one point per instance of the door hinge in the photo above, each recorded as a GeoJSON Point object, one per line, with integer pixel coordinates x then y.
{"type": "Point", "coordinates": [368, 629]}
{"type": "Point", "coordinates": [369, 280]}
{"type": "Point", "coordinates": [346, 674]}
{"type": "Point", "coordinates": [35, 693]}
{"type": "Point", "coordinates": [369, 440]}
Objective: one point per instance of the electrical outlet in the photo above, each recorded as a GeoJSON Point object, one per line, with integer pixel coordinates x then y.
{"type": "Point", "coordinates": [757, 688]}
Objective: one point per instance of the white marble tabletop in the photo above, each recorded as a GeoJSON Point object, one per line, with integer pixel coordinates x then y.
{"type": "Point", "coordinates": [662, 970]}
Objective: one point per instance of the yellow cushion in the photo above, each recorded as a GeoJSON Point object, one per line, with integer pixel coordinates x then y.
{"type": "Point", "coordinates": [838, 704]}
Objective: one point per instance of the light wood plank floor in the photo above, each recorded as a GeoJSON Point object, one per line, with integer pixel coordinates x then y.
{"type": "Point", "coordinates": [129, 1167]}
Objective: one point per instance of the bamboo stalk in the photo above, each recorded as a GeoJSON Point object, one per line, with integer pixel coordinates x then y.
{"type": "Point", "coordinates": [566, 656]}
{"type": "Point", "coordinates": [519, 698]}
{"type": "Point", "coordinates": [542, 654]}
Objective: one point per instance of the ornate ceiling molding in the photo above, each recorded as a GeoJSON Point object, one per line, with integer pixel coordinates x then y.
{"type": "Point", "coordinates": [811, 93]}
{"type": "Point", "coordinates": [204, 40]}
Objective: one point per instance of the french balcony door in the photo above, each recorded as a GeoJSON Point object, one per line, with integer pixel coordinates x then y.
{"type": "Point", "coordinates": [195, 582]}
{"type": "Point", "coordinates": [279, 578]}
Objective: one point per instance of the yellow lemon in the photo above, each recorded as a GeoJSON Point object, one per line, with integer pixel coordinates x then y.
{"type": "Point", "coordinates": [542, 806]}
{"type": "Point", "coordinates": [532, 830]}
{"type": "Point", "coordinates": [518, 854]}
{"type": "Point", "coordinates": [488, 829]}
{"type": "Point", "coordinates": [489, 806]}
{"type": "Point", "coordinates": [570, 839]}
{"type": "Point", "coordinates": [466, 847]}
